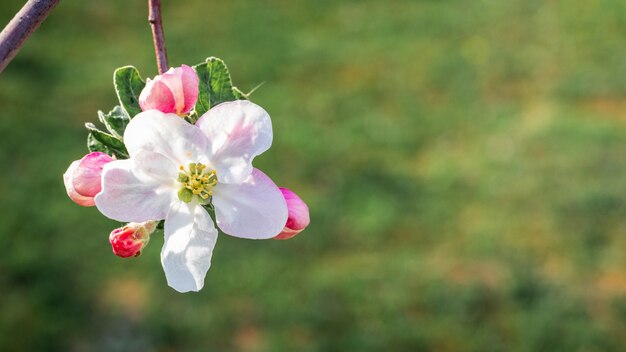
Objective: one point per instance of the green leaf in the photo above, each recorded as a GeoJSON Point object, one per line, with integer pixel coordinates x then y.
{"type": "Point", "coordinates": [239, 95]}
{"type": "Point", "coordinates": [95, 146]}
{"type": "Point", "coordinates": [113, 144]}
{"type": "Point", "coordinates": [215, 85]}
{"type": "Point", "coordinates": [128, 86]}
{"type": "Point", "coordinates": [115, 121]}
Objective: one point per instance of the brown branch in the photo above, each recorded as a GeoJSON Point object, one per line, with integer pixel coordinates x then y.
{"type": "Point", "coordinates": [156, 23]}
{"type": "Point", "coordinates": [25, 22]}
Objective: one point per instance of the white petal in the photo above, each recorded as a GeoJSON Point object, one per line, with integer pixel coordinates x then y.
{"type": "Point", "coordinates": [237, 132]}
{"type": "Point", "coordinates": [137, 190]}
{"type": "Point", "coordinates": [167, 134]}
{"type": "Point", "coordinates": [254, 209]}
{"type": "Point", "coordinates": [156, 166]}
{"type": "Point", "coordinates": [189, 240]}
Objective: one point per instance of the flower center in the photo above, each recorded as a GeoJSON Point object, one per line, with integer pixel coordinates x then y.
{"type": "Point", "coordinates": [196, 181]}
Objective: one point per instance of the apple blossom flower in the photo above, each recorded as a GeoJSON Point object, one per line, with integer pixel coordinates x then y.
{"type": "Point", "coordinates": [298, 218]}
{"type": "Point", "coordinates": [82, 178]}
{"type": "Point", "coordinates": [176, 168]}
{"type": "Point", "coordinates": [129, 240]}
{"type": "Point", "coordinates": [175, 91]}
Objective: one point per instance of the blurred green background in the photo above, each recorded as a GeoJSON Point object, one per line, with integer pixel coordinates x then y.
{"type": "Point", "coordinates": [463, 161]}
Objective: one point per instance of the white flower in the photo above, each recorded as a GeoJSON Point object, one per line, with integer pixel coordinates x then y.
{"type": "Point", "coordinates": [176, 167]}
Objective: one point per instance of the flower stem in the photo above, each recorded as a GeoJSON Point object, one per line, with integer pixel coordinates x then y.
{"type": "Point", "coordinates": [156, 23]}
{"type": "Point", "coordinates": [25, 22]}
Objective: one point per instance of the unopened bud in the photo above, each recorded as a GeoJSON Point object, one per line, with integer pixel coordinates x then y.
{"type": "Point", "coordinates": [128, 241]}
{"type": "Point", "coordinates": [298, 218]}
{"type": "Point", "coordinates": [175, 91]}
{"type": "Point", "coordinates": [83, 178]}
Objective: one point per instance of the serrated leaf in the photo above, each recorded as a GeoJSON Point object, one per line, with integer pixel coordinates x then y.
{"type": "Point", "coordinates": [214, 86]}
{"type": "Point", "coordinates": [114, 144]}
{"type": "Point", "coordinates": [239, 95]}
{"type": "Point", "coordinates": [128, 86]}
{"type": "Point", "coordinates": [115, 121]}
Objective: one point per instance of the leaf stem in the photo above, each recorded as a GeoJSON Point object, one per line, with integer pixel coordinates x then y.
{"type": "Point", "coordinates": [25, 22]}
{"type": "Point", "coordinates": [156, 23]}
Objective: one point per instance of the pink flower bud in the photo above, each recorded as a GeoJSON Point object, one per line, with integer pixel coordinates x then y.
{"type": "Point", "coordinates": [298, 218]}
{"type": "Point", "coordinates": [175, 91]}
{"type": "Point", "coordinates": [128, 241]}
{"type": "Point", "coordinates": [82, 178]}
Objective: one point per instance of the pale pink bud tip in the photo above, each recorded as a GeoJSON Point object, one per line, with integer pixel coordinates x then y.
{"type": "Point", "coordinates": [128, 241]}
{"type": "Point", "coordinates": [83, 178]}
{"type": "Point", "coordinates": [175, 91]}
{"type": "Point", "coordinates": [298, 218]}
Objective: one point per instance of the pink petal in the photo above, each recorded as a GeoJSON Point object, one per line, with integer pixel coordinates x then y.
{"type": "Point", "coordinates": [86, 177]}
{"type": "Point", "coordinates": [173, 78]}
{"type": "Point", "coordinates": [253, 209]}
{"type": "Point", "coordinates": [237, 131]}
{"type": "Point", "coordinates": [157, 96]}
{"type": "Point", "coordinates": [190, 88]}
{"type": "Point", "coordinates": [82, 178]}
{"type": "Point", "coordinates": [298, 218]}
{"type": "Point", "coordinates": [69, 187]}
{"type": "Point", "coordinates": [286, 234]}
{"type": "Point", "coordinates": [175, 91]}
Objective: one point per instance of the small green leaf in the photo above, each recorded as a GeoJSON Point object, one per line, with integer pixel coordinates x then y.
{"type": "Point", "coordinates": [215, 85]}
{"type": "Point", "coordinates": [239, 95]}
{"type": "Point", "coordinates": [95, 146]}
{"type": "Point", "coordinates": [128, 86]}
{"type": "Point", "coordinates": [114, 144]}
{"type": "Point", "coordinates": [115, 121]}
{"type": "Point", "coordinates": [247, 95]}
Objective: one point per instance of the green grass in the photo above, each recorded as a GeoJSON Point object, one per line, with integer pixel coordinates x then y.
{"type": "Point", "coordinates": [463, 162]}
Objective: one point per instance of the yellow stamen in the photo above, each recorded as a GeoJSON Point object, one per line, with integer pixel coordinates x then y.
{"type": "Point", "coordinates": [198, 179]}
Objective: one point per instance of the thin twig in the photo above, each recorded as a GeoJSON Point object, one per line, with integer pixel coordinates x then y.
{"type": "Point", "coordinates": [21, 27]}
{"type": "Point", "coordinates": [156, 23]}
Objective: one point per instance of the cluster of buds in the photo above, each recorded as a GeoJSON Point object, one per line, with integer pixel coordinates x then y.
{"type": "Point", "coordinates": [175, 91]}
